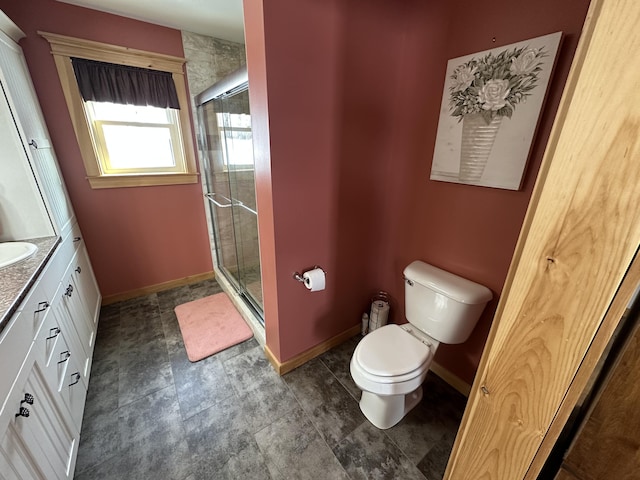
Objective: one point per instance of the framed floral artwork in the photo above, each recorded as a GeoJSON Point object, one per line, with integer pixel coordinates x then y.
{"type": "Point", "coordinates": [490, 109]}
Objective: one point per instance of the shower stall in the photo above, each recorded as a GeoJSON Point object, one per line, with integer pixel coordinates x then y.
{"type": "Point", "coordinates": [226, 151]}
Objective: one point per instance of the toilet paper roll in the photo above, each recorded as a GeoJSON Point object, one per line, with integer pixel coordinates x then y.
{"type": "Point", "coordinates": [314, 279]}
{"type": "Point", "coordinates": [379, 314]}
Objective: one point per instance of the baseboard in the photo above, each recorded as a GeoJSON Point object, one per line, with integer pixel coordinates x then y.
{"type": "Point", "coordinates": [453, 380]}
{"type": "Point", "coordinates": [159, 287]}
{"type": "Point", "coordinates": [283, 367]}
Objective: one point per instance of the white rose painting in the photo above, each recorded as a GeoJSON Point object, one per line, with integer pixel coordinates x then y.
{"type": "Point", "coordinates": [490, 109]}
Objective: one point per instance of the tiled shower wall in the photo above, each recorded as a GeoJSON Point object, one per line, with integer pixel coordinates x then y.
{"type": "Point", "coordinates": [210, 59]}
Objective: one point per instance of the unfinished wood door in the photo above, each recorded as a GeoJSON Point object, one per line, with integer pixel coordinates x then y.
{"type": "Point", "coordinates": [579, 237]}
{"type": "Point", "coordinates": [608, 444]}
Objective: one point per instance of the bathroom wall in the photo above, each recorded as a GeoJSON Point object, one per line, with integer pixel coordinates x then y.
{"type": "Point", "coordinates": [469, 230]}
{"type": "Point", "coordinates": [136, 237]}
{"type": "Point", "coordinates": [349, 95]}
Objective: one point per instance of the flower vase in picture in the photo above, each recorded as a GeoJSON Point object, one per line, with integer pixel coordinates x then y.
{"type": "Point", "coordinates": [477, 140]}
{"type": "Point", "coordinates": [489, 113]}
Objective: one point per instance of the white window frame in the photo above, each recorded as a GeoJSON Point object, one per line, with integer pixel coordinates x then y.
{"type": "Point", "coordinates": [102, 152]}
{"type": "Point", "coordinates": [63, 49]}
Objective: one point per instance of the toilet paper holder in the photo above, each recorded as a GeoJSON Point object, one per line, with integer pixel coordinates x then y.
{"type": "Point", "coordinates": [299, 276]}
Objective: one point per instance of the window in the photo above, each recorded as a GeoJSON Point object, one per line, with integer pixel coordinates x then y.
{"type": "Point", "coordinates": [235, 134]}
{"type": "Point", "coordinates": [130, 139]}
{"type": "Point", "coordinates": [125, 142]}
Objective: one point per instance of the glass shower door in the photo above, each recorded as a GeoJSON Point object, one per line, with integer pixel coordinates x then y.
{"type": "Point", "coordinates": [230, 181]}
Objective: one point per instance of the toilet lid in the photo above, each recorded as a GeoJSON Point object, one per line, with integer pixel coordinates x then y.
{"type": "Point", "coordinates": [390, 351]}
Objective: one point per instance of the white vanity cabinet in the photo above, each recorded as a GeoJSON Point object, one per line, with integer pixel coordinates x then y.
{"type": "Point", "coordinates": [39, 433]}
{"type": "Point", "coordinates": [46, 347]}
{"type": "Point", "coordinates": [46, 350]}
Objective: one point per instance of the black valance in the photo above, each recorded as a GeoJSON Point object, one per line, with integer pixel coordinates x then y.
{"type": "Point", "coordinates": [110, 82]}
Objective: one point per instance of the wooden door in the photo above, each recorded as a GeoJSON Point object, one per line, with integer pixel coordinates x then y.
{"type": "Point", "coordinates": [561, 300]}
{"type": "Point", "coordinates": [608, 444]}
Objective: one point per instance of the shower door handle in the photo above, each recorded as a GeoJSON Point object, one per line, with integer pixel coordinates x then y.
{"type": "Point", "coordinates": [237, 203]}
{"type": "Point", "coordinates": [215, 202]}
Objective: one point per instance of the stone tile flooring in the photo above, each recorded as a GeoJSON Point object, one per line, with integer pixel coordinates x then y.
{"type": "Point", "coordinates": [152, 414]}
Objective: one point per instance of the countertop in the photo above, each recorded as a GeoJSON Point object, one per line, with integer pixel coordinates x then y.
{"type": "Point", "coordinates": [16, 280]}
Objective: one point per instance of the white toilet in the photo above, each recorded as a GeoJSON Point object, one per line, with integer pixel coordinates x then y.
{"type": "Point", "coordinates": [390, 363]}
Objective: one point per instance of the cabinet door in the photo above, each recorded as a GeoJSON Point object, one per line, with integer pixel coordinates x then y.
{"type": "Point", "coordinates": [16, 72]}
{"type": "Point", "coordinates": [34, 132]}
{"type": "Point", "coordinates": [39, 442]}
{"type": "Point", "coordinates": [20, 196]}
{"type": "Point", "coordinates": [87, 286]}
{"type": "Point", "coordinates": [51, 182]}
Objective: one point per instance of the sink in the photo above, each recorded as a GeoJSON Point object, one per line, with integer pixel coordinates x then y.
{"type": "Point", "coordinates": [13, 252]}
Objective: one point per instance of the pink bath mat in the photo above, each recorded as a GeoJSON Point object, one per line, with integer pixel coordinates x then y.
{"type": "Point", "coordinates": [209, 325]}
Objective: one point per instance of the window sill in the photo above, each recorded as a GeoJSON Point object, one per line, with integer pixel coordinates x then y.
{"type": "Point", "coordinates": [121, 181]}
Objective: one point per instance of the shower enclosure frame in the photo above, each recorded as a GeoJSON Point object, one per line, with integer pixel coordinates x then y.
{"type": "Point", "coordinates": [225, 209]}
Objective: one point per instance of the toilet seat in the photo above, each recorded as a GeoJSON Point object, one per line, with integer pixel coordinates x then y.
{"type": "Point", "coordinates": [395, 345]}
{"type": "Point", "coordinates": [395, 379]}
{"type": "Point", "coordinates": [391, 352]}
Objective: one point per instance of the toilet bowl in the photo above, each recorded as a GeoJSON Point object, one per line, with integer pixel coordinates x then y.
{"type": "Point", "coordinates": [389, 365]}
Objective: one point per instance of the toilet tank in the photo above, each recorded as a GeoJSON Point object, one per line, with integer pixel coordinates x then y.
{"type": "Point", "coordinates": [443, 305]}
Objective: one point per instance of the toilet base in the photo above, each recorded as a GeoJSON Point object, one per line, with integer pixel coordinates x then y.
{"type": "Point", "coordinates": [385, 411]}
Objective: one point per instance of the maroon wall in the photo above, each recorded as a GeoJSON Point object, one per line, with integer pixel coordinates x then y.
{"type": "Point", "coordinates": [136, 237]}
{"type": "Point", "coordinates": [353, 90]}
{"type": "Point", "coordinates": [472, 231]}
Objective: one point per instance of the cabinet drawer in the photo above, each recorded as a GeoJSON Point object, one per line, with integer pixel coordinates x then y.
{"type": "Point", "coordinates": [47, 282]}
{"type": "Point", "coordinates": [65, 251]}
{"type": "Point", "coordinates": [76, 236]}
{"type": "Point", "coordinates": [36, 304]}
{"type": "Point", "coordinates": [80, 341]}
{"type": "Point", "coordinates": [73, 390]}
{"type": "Point", "coordinates": [60, 365]}
{"type": "Point", "coordinates": [72, 298]}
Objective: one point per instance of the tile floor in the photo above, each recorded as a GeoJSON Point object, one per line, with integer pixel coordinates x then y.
{"type": "Point", "coordinates": [151, 414]}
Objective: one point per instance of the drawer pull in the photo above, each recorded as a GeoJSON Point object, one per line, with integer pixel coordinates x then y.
{"type": "Point", "coordinates": [53, 333]}
{"type": "Point", "coordinates": [76, 239]}
{"type": "Point", "coordinates": [77, 375]}
{"type": "Point", "coordinates": [23, 412]}
{"type": "Point", "coordinates": [69, 291]}
{"type": "Point", "coordinates": [33, 143]}
{"type": "Point", "coordinates": [65, 356]}
{"type": "Point", "coordinates": [79, 270]}
{"type": "Point", "coordinates": [42, 306]}
{"type": "Point", "coordinates": [28, 398]}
